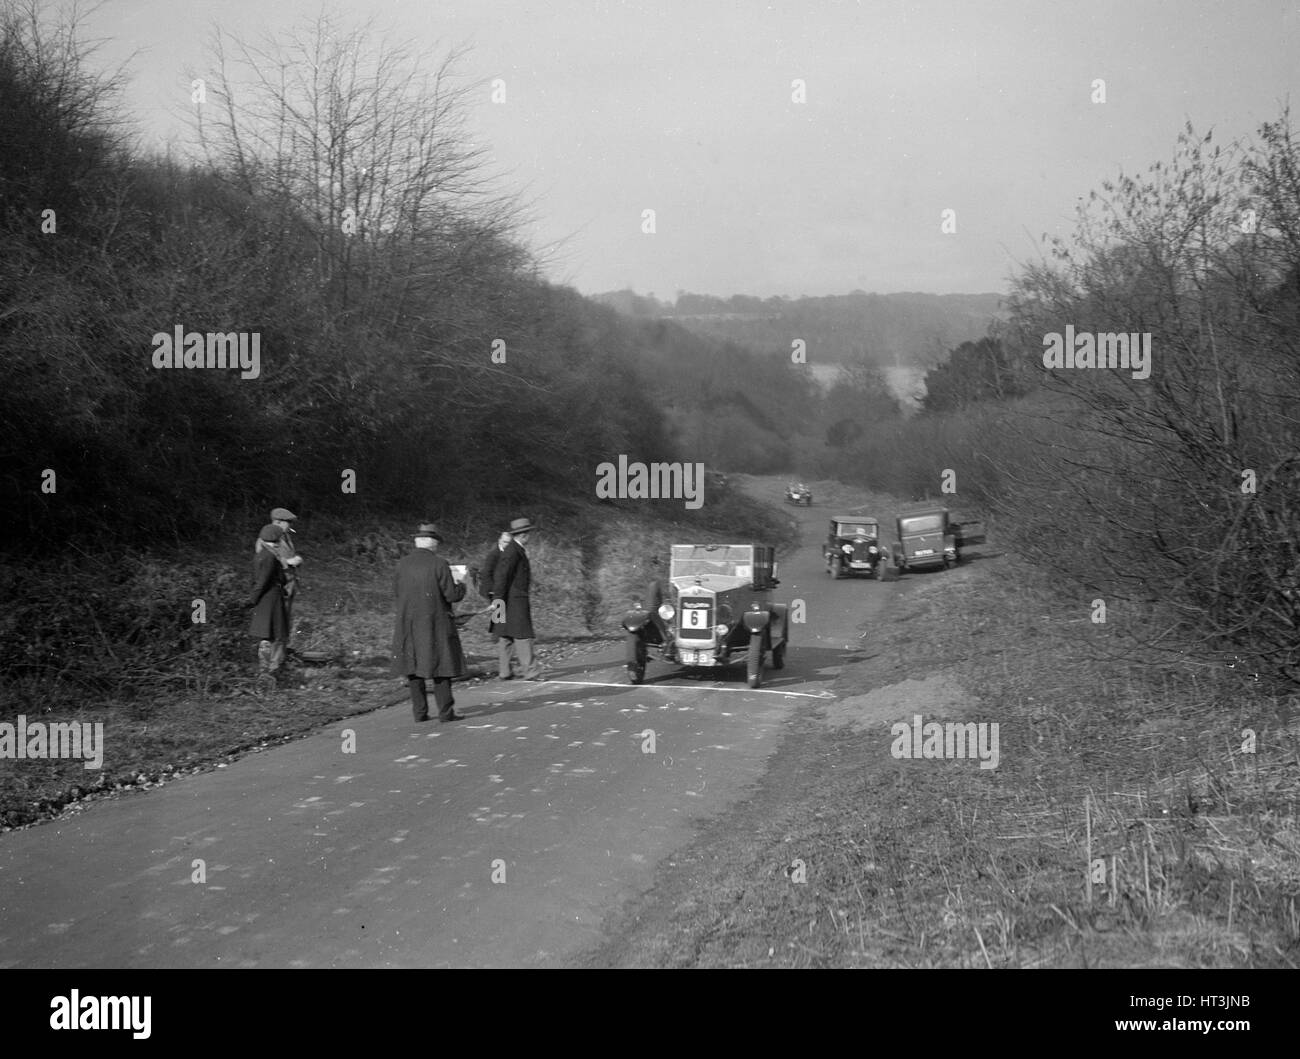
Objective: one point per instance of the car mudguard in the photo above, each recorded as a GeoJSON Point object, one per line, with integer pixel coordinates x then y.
{"type": "Point", "coordinates": [756, 620]}
{"type": "Point", "coordinates": [635, 619]}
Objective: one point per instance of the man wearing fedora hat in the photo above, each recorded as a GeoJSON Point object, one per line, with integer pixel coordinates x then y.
{"type": "Point", "coordinates": [426, 645]}
{"type": "Point", "coordinates": [270, 622]}
{"type": "Point", "coordinates": [511, 581]}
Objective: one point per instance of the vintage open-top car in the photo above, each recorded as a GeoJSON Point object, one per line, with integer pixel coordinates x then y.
{"type": "Point", "coordinates": [798, 493]}
{"type": "Point", "coordinates": [928, 536]}
{"type": "Point", "coordinates": [716, 610]}
{"type": "Point", "coordinates": [853, 547]}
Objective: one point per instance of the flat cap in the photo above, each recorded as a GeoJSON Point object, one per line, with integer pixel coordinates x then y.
{"type": "Point", "coordinates": [282, 513]}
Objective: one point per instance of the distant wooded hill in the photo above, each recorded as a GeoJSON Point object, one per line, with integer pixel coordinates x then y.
{"type": "Point", "coordinates": [906, 329]}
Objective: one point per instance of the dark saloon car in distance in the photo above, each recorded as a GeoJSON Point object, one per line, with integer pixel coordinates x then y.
{"type": "Point", "coordinates": [853, 547]}
{"type": "Point", "coordinates": [927, 537]}
{"type": "Point", "coordinates": [797, 493]}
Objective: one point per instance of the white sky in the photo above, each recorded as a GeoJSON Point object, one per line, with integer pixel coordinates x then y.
{"type": "Point", "coordinates": [684, 107]}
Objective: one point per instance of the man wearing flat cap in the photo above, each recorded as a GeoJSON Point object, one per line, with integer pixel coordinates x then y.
{"type": "Point", "coordinates": [270, 622]}
{"type": "Point", "coordinates": [290, 560]}
{"type": "Point", "coordinates": [511, 581]}
{"type": "Point", "coordinates": [426, 645]}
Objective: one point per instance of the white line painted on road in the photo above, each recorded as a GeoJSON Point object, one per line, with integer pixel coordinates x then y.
{"type": "Point", "coordinates": [693, 687]}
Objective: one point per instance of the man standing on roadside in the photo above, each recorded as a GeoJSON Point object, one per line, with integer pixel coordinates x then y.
{"type": "Point", "coordinates": [290, 560]}
{"type": "Point", "coordinates": [510, 585]}
{"type": "Point", "coordinates": [486, 574]}
{"type": "Point", "coordinates": [426, 645]}
{"type": "Point", "coordinates": [270, 624]}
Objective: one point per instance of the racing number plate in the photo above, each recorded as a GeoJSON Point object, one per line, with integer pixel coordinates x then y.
{"type": "Point", "coordinates": [696, 620]}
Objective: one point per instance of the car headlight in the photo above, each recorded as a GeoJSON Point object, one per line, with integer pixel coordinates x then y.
{"type": "Point", "coordinates": [721, 630]}
{"type": "Point", "coordinates": [666, 611]}
{"type": "Point", "coordinates": [873, 549]}
{"type": "Point", "coordinates": [847, 549]}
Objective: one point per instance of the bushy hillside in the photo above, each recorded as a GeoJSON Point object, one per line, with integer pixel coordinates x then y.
{"type": "Point", "coordinates": [401, 352]}
{"type": "Point", "coordinates": [1135, 419]}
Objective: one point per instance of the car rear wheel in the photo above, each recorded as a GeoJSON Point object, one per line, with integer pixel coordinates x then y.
{"type": "Point", "coordinates": [778, 656]}
{"type": "Point", "coordinates": [636, 658]}
{"type": "Point", "coordinates": [754, 663]}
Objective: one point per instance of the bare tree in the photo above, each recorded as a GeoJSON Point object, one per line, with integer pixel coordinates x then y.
{"type": "Point", "coordinates": [350, 133]}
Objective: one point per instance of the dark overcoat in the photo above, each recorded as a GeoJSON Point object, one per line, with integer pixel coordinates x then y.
{"type": "Point", "coordinates": [487, 571]}
{"type": "Point", "coordinates": [269, 619]}
{"type": "Point", "coordinates": [486, 581]}
{"type": "Point", "coordinates": [511, 582]}
{"type": "Point", "coordinates": [425, 641]}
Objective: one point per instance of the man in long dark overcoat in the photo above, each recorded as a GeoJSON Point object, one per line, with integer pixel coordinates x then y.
{"type": "Point", "coordinates": [426, 645]}
{"type": "Point", "coordinates": [270, 622]}
{"type": "Point", "coordinates": [511, 583]}
{"type": "Point", "coordinates": [487, 578]}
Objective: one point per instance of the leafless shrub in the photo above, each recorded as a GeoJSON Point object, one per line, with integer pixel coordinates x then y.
{"type": "Point", "coordinates": [1177, 490]}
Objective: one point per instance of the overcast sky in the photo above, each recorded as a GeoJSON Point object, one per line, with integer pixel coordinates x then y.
{"type": "Point", "coordinates": [685, 107]}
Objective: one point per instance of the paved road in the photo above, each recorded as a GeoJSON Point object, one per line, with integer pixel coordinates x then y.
{"type": "Point", "coordinates": [385, 857]}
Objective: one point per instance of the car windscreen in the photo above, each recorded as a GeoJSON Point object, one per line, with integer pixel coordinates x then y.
{"type": "Point", "coordinates": [725, 560]}
{"type": "Point", "coordinates": [856, 529]}
{"type": "Point", "coordinates": [923, 524]}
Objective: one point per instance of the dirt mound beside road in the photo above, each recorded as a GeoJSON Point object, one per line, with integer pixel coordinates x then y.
{"type": "Point", "coordinates": [936, 697]}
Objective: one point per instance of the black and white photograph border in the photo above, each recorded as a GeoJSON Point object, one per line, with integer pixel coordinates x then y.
{"type": "Point", "coordinates": [822, 478]}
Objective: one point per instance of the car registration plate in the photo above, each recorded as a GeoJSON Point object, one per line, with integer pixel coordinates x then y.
{"type": "Point", "coordinates": [925, 551]}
